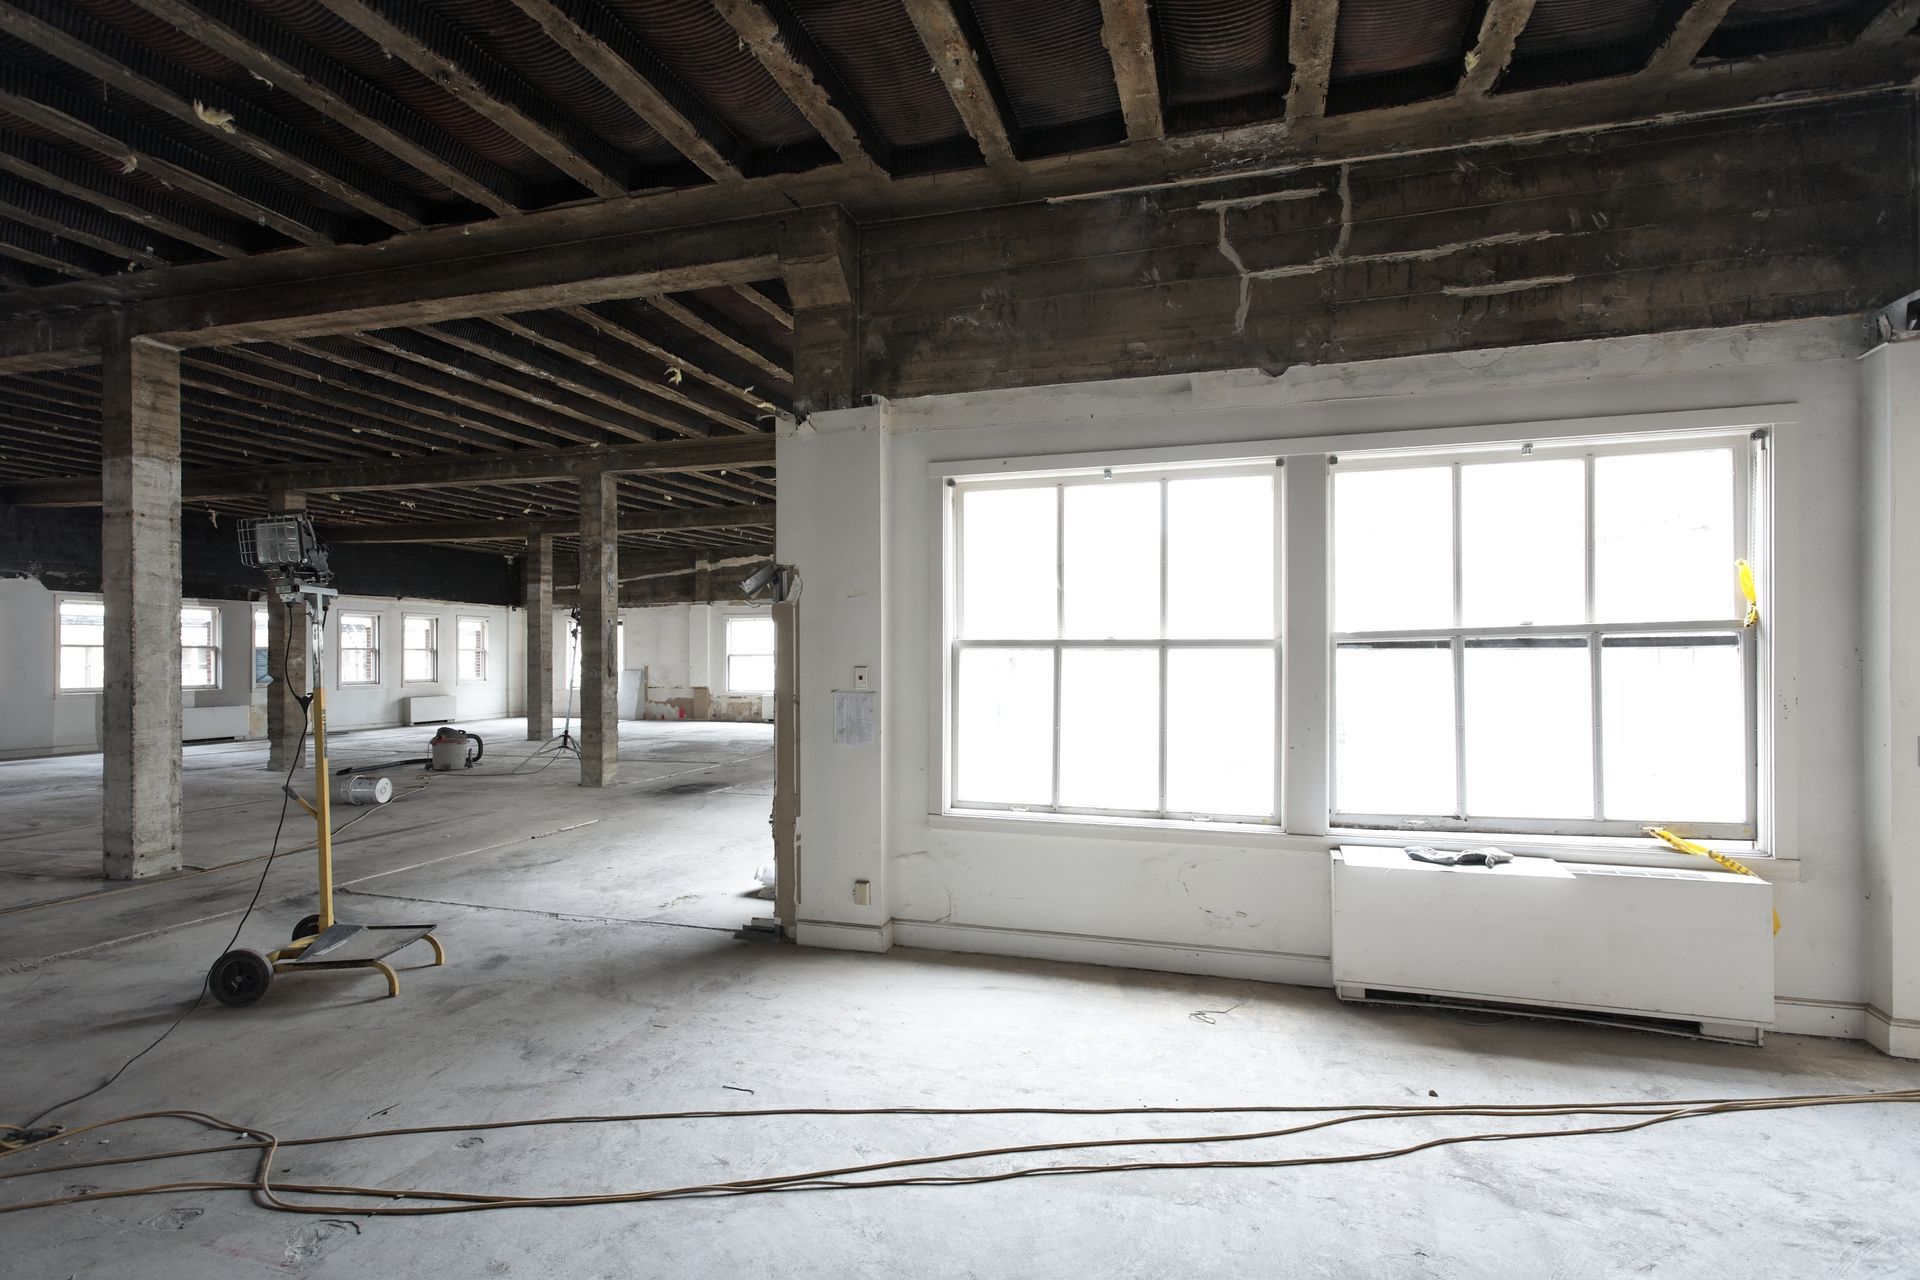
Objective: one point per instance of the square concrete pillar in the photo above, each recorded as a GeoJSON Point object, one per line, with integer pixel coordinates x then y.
{"type": "Point", "coordinates": [290, 664]}
{"type": "Point", "coordinates": [537, 596]}
{"type": "Point", "coordinates": [140, 578]}
{"type": "Point", "coordinates": [599, 631]}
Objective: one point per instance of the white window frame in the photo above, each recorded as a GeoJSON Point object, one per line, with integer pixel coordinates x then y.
{"type": "Point", "coordinates": [213, 635]}
{"type": "Point", "coordinates": [341, 649]}
{"type": "Point", "coordinates": [461, 674]}
{"type": "Point", "coordinates": [262, 623]}
{"type": "Point", "coordinates": [1748, 464]}
{"type": "Point", "coordinates": [59, 644]}
{"type": "Point", "coordinates": [1243, 436]}
{"type": "Point", "coordinates": [727, 652]}
{"type": "Point", "coordinates": [432, 650]}
{"type": "Point", "coordinates": [956, 644]}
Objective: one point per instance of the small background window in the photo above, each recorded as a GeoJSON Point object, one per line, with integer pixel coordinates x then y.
{"type": "Point", "coordinates": [83, 639]}
{"type": "Point", "coordinates": [359, 648]}
{"type": "Point", "coordinates": [420, 650]}
{"type": "Point", "coordinates": [749, 655]}
{"type": "Point", "coordinates": [199, 648]}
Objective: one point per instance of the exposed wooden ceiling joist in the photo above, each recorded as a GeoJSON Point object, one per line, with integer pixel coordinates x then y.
{"type": "Point", "coordinates": [425, 41]}
{"type": "Point", "coordinates": [608, 50]}
{"type": "Point", "coordinates": [1691, 31]}
{"type": "Point", "coordinates": [808, 81]}
{"type": "Point", "coordinates": [1310, 30]}
{"type": "Point", "coordinates": [242, 34]}
{"type": "Point", "coordinates": [1492, 50]}
{"type": "Point", "coordinates": [475, 530]}
{"type": "Point", "coordinates": [957, 60]}
{"type": "Point", "coordinates": [1128, 35]}
{"type": "Point", "coordinates": [719, 453]}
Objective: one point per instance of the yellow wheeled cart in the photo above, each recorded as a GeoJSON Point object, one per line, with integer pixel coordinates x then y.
{"type": "Point", "coordinates": [296, 562]}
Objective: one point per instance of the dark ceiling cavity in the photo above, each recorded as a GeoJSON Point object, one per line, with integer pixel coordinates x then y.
{"type": "Point", "coordinates": [873, 47]}
{"type": "Point", "coordinates": [1389, 52]}
{"type": "Point", "coordinates": [1055, 74]}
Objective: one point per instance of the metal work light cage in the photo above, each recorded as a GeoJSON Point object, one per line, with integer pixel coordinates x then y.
{"type": "Point", "coordinates": [277, 542]}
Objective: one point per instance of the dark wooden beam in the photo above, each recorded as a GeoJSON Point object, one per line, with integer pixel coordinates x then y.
{"type": "Point", "coordinates": [774, 311]}
{"type": "Point", "coordinates": [81, 119]}
{"type": "Point", "coordinates": [1310, 30]}
{"type": "Point", "coordinates": [754, 400]}
{"type": "Point", "coordinates": [367, 289]}
{"type": "Point", "coordinates": [475, 382]}
{"type": "Point", "coordinates": [612, 54]}
{"type": "Point", "coordinates": [1500, 26]}
{"type": "Point", "coordinates": [958, 63]}
{"type": "Point", "coordinates": [1690, 34]}
{"type": "Point", "coordinates": [481, 530]}
{"type": "Point", "coordinates": [1892, 24]}
{"type": "Point", "coordinates": [71, 35]}
{"type": "Point", "coordinates": [433, 46]}
{"type": "Point", "coordinates": [589, 347]}
{"type": "Point", "coordinates": [57, 214]}
{"type": "Point", "coordinates": [55, 170]}
{"type": "Point", "coordinates": [1128, 35]}
{"type": "Point", "coordinates": [523, 466]}
{"type": "Point", "coordinates": [268, 51]}
{"type": "Point", "coordinates": [808, 80]}
{"type": "Point", "coordinates": [37, 248]}
{"type": "Point", "coordinates": [702, 321]}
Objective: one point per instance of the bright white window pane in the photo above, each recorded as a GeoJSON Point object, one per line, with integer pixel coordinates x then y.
{"type": "Point", "coordinates": [196, 626]}
{"type": "Point", "coordinates": [749, 673]}
{"type": "Point", "coordinates": [1220, 731]}
{"type": "Point", "coordinates": [1112, 562]}
{"type": "Point", "coordinates": [750, 635]}
{"type": "Point", "coordinates": [1663, 536]}
{"type": "Point", "coordinates": [1393, 549]}
{"type": "Point", "coordinates": [1003, 708]}
{"type": "Point", "coordinates": [259, 628]}
{"type": "Point", "coordinates": [82, 621]}
{"type": "Point", "coordinates": [357, 666]}
{"type": "Point", "coordinates": [1220, 558]}
{"type": "Point", "coordinates": [1110, 729]}
{"type": "Point", "coordinates": [1393, 738]}
{"type": "Point", "coordinates": [1008, 569]}
{"type": "Point", "coordinates": [356, 631]}
{"type": "Point", "coordinates": [1529, 731]}
{"type": "Point", "coordinates": [1674, 721]}
{"type": "Point", "coordinates": [1523, 543]}
{"type": "Point", "coordinates": [419, 664]}
{"type": "Point", "coordinates": [198, 669]}
{"type": "Point", "coordinates": [81, 668]}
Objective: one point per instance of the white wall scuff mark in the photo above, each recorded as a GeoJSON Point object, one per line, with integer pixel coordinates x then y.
{"type": "Point", "coordinates": [1503, 286]}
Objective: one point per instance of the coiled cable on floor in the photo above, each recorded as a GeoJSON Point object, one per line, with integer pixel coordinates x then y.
{"type": "Point", "coordinates": [363, 1201]}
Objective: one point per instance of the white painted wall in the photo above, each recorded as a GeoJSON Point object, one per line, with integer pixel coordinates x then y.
{"type": "Point", "coordinates": [34, 717]}
{"type": "Point", "coordinates": [860, 519]}
{"type": "Point", "coordinates": [679, 651]}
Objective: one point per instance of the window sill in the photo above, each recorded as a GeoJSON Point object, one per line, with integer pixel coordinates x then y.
{"type": "Point", "coordinates": [1603, 850]}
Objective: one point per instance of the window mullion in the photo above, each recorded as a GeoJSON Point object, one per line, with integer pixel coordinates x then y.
{"type": "Point", "coordinates": [1163, 646]}
{"type": "Point", "coordinates": [1459, 646]}
{"type": "Point", "coordinates": [1597, 731]}
{"type": "Point", "coordinates": [1059, 620]}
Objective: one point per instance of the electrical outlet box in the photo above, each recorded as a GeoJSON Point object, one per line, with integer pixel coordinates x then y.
{"type": "Point", "coordinates": [859, 677]}
{"type": "Point", "coordinates": [862, 893]}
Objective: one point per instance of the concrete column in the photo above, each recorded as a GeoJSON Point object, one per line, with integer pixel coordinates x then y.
{"type": "Point", "coordinates": [599, 630]}
{"type": "Point", "coordinates": [140, 578]}
{"type": "Point", "coordinates": [289, 660]}
{"type": "Point", "coordinates": [538, 599]}
{"type": "Point", "coordinates": [834, 485]}
{"type": "Point", "coordinates": [1891, 660]}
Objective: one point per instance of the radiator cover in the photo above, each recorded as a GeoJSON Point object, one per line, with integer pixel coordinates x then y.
{"type": "Point", "coordinates": [1685, 946]}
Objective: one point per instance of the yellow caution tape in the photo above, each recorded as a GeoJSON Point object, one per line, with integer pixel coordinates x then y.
{"type": "Point", "coordinates": [1747, 590]}
{"type": "Point", "coordinates": [1684, 845]}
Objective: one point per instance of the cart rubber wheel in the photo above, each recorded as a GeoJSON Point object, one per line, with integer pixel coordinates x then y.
{"type": "Point", "coordinates": [306, 928]}
{"type": "Point", "coordinates": [239, 978]}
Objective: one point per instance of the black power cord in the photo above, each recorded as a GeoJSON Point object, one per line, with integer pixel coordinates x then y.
{"type": "Point", "coordinates": [286, 797]}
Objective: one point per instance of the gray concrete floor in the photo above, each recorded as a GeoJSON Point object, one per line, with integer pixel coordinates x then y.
{"type": "Point", "coordinates": [592, 968]}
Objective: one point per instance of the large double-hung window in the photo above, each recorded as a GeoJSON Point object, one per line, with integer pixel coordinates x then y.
{"type": "Point", "coordinates": [1545, 640]}
{"type": "Point", "coordinates": [1115, 644]}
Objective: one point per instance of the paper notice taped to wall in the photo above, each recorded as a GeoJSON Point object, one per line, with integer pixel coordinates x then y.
{"type": "Point", "coordinates": [853, 717]}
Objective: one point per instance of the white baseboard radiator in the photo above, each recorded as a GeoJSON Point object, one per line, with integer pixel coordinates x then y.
{"type": "Point", "coordinates": [211, 724]}
{"type": "Point", "coordinates": [1677, 951]}
{"type": "Point", "coordinates": [429, 708]}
